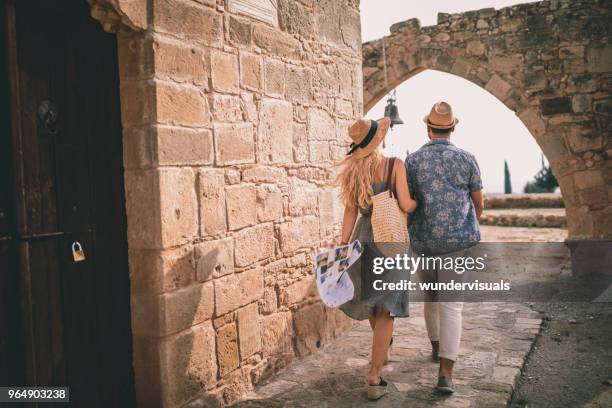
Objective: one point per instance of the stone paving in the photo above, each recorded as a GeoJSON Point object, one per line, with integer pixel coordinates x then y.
{"type": "Point", "coordinates": [497, 338]}
{"type": "Point", "coordinates": [525, 217]}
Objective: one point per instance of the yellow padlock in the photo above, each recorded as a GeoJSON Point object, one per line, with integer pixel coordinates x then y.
{"type": "Point", "coordinates": [77, 252]}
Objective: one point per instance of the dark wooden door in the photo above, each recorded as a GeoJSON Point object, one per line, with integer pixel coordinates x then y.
{"type": "Point", "coordinates": [66, 185]}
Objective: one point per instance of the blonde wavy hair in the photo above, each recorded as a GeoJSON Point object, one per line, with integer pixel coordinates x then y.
{"type": "Point", "coordinates": [355, 179]}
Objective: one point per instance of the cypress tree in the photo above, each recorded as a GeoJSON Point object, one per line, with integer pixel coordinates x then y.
{"type": "Point", "coordinates": [507, 183]}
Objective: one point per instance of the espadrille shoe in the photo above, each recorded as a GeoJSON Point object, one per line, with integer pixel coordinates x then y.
{"type": "Point", "coordinates": [377, 391]}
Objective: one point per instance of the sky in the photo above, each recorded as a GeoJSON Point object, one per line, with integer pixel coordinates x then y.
{"type": "Point", "coordinates": [492, 132]}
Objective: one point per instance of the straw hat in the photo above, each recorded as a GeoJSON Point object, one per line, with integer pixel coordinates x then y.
{"type": "Point", "coordinates": [441, 117]}
{"type": "Point", "coordinates": [367, 135]}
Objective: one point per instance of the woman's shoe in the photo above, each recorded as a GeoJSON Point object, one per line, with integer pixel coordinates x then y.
{"type": "Point", "coordinates": [377, 391]}
{"type": "Point", "coordinates": [445, 385]}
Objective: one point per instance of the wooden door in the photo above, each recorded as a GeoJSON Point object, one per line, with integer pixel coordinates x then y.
{"type": "Point", "coordinates": [66, 185]}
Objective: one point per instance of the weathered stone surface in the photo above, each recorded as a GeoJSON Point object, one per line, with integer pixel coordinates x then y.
{"type": "Point", "coordinates": [224, 73]}
{"type": "Point", "coordinates": [249, 333]}
{"type": "Point", "coordinates": [182, 146]}
{"type": "Point", "coordinates": [498, 87]}
{"type": "Point", "coordinates": [302, 197]}
{"type": "Point", "coordinates": [241, 206]}
{"type": "Point", "coordinates": [310, 328]}
{"type": "Point", "coordinates": [274, 77]}
{"type": "Point", "coordinates": [178, 206]}
{"type": "Point", "coordinates": [211, 195]}
{"type": "Point", "coordinates": [299, 233]}
{"type": "Point", "coordinates": [254, 244]}
{"type": "Point", "coordinates": [174, 61]}
{"type": "Point", "coordinates": [251, 71]}
{"type": "Point", "coordinates": [214, 259]}
{"type": "Point", "coordinates": [276, 333]}
{"type": "Point", "coordinates": [181, 105]}
{"type": "Point", "coordinates": [234, 144]}
{"type": "Point", "coordinates": [227, 108]}
{"type": "Point", "coordinates": [263, 174]}
{"type": "Point", "coordinates": [321, 126]}
{"type": "Point", "coordinates": [274, 136]}
{"type": "Point", "coordinates": [240, 31]}
{"type": "Point", "coordinates": [188, 20]}
{"type": "Point", "coordinates": [238, 289]}
{"type": "Point", "coordinates": [227, 349]}
{"type": "Point", "coordinates": [187, 363]}
{"type": "Point", "coordinates": [269, 203]}
{"type": "Point", "coordinates": [158, 271]}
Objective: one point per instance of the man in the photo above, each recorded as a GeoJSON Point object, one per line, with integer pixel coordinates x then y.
{"type": "Point", "coordinates": [445, 181]}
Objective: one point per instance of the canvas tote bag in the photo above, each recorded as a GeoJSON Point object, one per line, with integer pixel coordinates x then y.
{"type": "Point", "coordinates": [389, 222]}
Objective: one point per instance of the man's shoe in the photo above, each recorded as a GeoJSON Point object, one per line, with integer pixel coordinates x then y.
{"type": "Point", "coordinates": [377, 391]}
{"type": "Point", "coordinates": [445, 385]}
{"type": "Point", "coordinates": [435, 356]}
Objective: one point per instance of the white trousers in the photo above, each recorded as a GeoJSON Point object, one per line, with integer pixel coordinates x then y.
{"type": "Point", "coordinates": [443, 322]}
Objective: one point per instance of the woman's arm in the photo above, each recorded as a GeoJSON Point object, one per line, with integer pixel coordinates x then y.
{"type": "Point", "coordinates": [406, 202]}
{"type": "Point", "coordinates": [348, 223]}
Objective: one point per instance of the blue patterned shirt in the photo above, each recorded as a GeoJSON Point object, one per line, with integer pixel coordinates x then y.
{"type": "Point", "coordinates": [441, 177]}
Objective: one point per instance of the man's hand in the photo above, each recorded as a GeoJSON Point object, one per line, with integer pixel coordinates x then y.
{"type": "Point", "coordinates": [478, 200]}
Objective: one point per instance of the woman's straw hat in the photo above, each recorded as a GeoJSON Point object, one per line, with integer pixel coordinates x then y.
{"type": "Point", "coordinates": [441, 117]}
{"type": "Point", "coordinates": [367, 135]}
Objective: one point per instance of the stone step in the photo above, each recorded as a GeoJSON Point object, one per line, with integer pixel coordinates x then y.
{"type": "Point", "coordinates": [525, 217]}
{"type": "Point", "coordinates": [540, 200]}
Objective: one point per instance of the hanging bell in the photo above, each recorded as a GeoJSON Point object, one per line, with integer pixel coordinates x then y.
{"type": "Point", "coordinates": [392, 112]}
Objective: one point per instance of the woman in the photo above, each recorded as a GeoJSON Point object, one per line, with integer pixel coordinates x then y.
{"type": "Point", "coordinates": [362, 176]}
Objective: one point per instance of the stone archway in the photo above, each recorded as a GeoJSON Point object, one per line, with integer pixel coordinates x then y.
{"type": "Point", "coordinates": [549, 62]}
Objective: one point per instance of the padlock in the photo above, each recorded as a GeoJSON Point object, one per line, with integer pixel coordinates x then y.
{"type": "Point", "coordinates": [77, 252]}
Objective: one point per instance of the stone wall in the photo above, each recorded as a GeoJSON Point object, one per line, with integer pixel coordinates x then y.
{"type": "Point", "coordinates": [550, 62]}
{"type": "Point", "coordinates": [231, 128]}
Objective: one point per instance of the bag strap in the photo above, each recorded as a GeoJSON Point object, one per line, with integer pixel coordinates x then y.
{"type": "Point", "coordinates": [390, 164]}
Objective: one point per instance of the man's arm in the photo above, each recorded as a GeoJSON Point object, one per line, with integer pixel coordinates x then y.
{"type": "Point", "coordinates": [478, 201]}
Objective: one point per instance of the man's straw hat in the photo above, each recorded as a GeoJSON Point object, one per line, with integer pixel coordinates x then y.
{"type": "Point", "coordinates": [441, 117]}
{"type": "Point", "coordinates": [367, 135]}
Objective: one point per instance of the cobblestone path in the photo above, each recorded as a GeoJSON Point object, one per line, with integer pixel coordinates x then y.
{"type": "Point", "coordinates": [497, 338]}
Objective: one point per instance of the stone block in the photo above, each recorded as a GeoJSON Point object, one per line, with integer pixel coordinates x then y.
{"type": "Point", "coordinates": [227, 349]}
{"type": "Point", "coordinates": [269, 303]}
{"type": "Point", "coordinates": [238, 289]}
{"type": "Point", "coordinates": [310, 328]}
{"type": "Point", "coordinates": [240, 31]}
{"type": "Point", "coordinates": [175, 61]}
{"type": "Point", "coordinates": [300, 143]}
{"type": "Point", "coordinates": [321, 125]}
{"type": "Point", "coordinates": [178, 206]}
{"type": "Point", "coordinates": [211, 193]}
{"type": "Point", "coordinates": [330, 209]}
{"type": "Point", "coordinates": [299, 233]}
{"type": "Point", "coordinates": [274, 77]}
{"type": "Point", "coordinates": [263, 174]}
{"type": "Point", "coordinates": [269, 203]}
{"type": "Point", "coordinates": [227, 108]}
{"type": "Point", "coordinates": [158, 271]}
{"type": "Point", "coordinates": [224, 72]}
{"type": "Point", "coordinates": [168, 313]}
{"type": "Point", "coordinates": [142, 203]}
{"type": "Point", "coordinates": [188, 364]}
{"type": "Point", "coordinates": [138, 150]}
{"type": "Point", "coordinates": [274, 136]}
{"type": "Point", "coordinates": [249, 334]}
{"type": "Point", "coordinates": [302, 197]}
{"type": "Point", "coordinates": [251, 71]}
{"type": "Point", "coordinates": [533, 121]}
{"type": "Point", "coordinates": [184, 146]}
{"type": "Point", "coordinates": [188, 20]}
{"type": "Point", "coordinates": [594, 198]}
{"type": "Point", "coordinates": [234, 144]}
{"type": "Point", "coordinates": [254, 244]}
{"type": "Point", "coordinates": [319, 152]}
{"type": "Point", "coordinates": [241, 206]}
{"type": "Point", "coordinates": [476, 48]}
{"type": "Point", "coordinates": [214, 259]}
{"type": "Point", "coordinates": [588, 179]}
{"type": "Point", "coordinates": [181, 105]}
{"type": "Point", "coordinates": [298, 84]}
{"type": "Point", "coordinates": [498, 87]}
{"type": "Point", "coordinates": [599, 58]}
{"type": "Point", "coordinates": [583, 139]}
{"type": "Point", "coordinates": [276, 42]}
{"type": "Point", "coordinates": [327, 78]}
{"type": "Point", "coordinates": [295, 18]}
{"type": "Point", "coordinates": [554, 106]}
{"type": "Point", "coordinates": [299, 291]}
{"type": "Point", "coordinates": [277, 333]}
{"type": "Point", "coordinates": [461, 67]}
